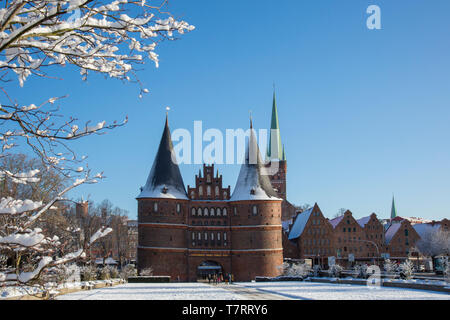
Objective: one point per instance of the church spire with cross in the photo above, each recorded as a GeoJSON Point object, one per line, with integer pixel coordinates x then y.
{"type": "Point", "coordinates": [275, 149]}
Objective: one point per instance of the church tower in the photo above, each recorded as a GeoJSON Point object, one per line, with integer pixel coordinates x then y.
{"type": "Point", "coordinates": [276, 153]}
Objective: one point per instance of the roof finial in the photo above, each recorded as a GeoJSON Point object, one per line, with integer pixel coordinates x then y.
{"type": "Point", "coordinates": [167, 115]}
{"type": "Point", "coordinates": [251, 120]}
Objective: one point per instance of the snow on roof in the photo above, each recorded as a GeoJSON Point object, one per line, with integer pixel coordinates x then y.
{"type": "Point", "coordinates": [363, 221]}
{"type": "Point", "coordinates": [164, 180]}
{"type": "Point", "coordinates": [299, 224]}
{"type": "Point", "coordinates": [253, 181]}
{"type": "Point", "coordinates": [391, 231]}
{"type": "Point", "coordinates": [424, 228]}
{"type": "Point", "coordinates": [334, 222]}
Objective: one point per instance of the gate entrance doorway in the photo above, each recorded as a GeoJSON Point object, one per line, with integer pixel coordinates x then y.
{"type": "Point", "coordinates": [207, 269]}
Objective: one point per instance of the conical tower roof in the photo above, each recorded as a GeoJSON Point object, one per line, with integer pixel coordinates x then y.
{"type": "Point", "coordinates": [253, 182]}
{"type": "Point", "coordinates": [164, 180]}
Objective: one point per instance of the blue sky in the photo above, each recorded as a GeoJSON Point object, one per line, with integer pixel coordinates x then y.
{"type": "Point", "coordinates": [364, 114]}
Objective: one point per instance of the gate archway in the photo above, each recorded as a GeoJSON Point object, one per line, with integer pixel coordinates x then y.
{"type": "Point", "coordinates": [208, 268]}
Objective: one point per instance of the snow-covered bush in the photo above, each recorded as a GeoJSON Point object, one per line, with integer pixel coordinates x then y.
{"type": "Point", "coordinates": [113, 272]}
{"type": "Point", "coordinates": [389, 266]}
{"type": "Point", "coordinates": [146, 272]}
{"type": "Point", "coordinates": [66, 273]}
{"type": "Point", "coordinates": [406, 269]}
{"type": "Point", "coordinates": [360, 271]}
{"type": "Point", "coordinates": [88, 273]}
{"type": "Point", "coordinates": [104, 273]}
{"type": "Point", "coordinates": [296, 269]}
{"type": "Point", "coordinates": [128, 271]}
{"type": "Point", "coordinates": [316, 270]}
{"type": "Point", "coordinates": [447, 272]}
{"type": "Point", "coordinates": [335, 271]}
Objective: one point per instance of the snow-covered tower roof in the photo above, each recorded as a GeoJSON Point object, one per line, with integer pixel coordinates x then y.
{"type": "Point", "coordinates": [164, 180]}
{"type": "Point", "coordinates": [253, 182]}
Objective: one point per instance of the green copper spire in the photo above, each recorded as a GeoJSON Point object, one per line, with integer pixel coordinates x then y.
{"type": "Point", "coordinates": [283, 158]}
{"type": "Point", "coordinates": [274, 151]}
{"type": "Point", "coordinates": [393, 210]}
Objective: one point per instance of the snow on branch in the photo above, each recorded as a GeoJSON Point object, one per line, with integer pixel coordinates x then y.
{"type": "Point", "coordinates": [99, 234]}
{"type": "Point", "coordinates": [44, 130]}
{"type": "Point", "coordinates": [106, 37]}
{"type": "Point", "coordinates": [16, 206]}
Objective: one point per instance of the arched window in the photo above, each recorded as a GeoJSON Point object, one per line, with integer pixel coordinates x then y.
{"type": "Point", "coordinates": [216, 191]}
{"type": "Point", "coordinates": [218, 212]}
{"type": "Point", "coordinates": [208, 178]}
{"type": "Point", "coordinates": [192, 194]}
{"type": "Point", "coordinates": [208, 191]}
{"type": "Point", "coordinates": [255, 210]}
{"type": "Point", "coordinates": [224, 236]}
{"type": "Point", "coordinates": [178, 208]}
{"type": "Point", "coordinates": [199, 211]}
{"type": "Point", "coordinates": [218, 236]}
{"type": "Point", "coordinates": [225, 194]}
{"type": "Point", "coordinates": [212, 212]}
{"type": "Point", "coordinates": [193, 236]}
{"type": "Point", "coordinates": [200, 191]}
{"type": "Point", "coordinates": [206, 235]}
{"type": "Point", "coordinates": [206, 212]}
{"type": "Point", "coordinates": [212, 236]}
{"type": "Point", "coordinates": [199, 236]}
{"type": "Point", "coordinates": [193, 211]}
{"type": "Point", "coordinates": [155, 207]}
{"type": "Point", "coordinates": [224, 212]}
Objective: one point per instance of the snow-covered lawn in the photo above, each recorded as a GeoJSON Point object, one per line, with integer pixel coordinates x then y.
{"type": "Point", "coordinates": [326, 291]}
{"type": "Point", "coordinates": [288, 290]}
{"type": "Point", "coordinates": [155, 291]}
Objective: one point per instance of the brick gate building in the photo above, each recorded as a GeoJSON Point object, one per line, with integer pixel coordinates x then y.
{"type": "Point", "coordinates": [206, 229]}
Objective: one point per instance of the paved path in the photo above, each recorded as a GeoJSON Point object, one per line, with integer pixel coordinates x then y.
{"type": "Point", "coordinates": [252, 293]}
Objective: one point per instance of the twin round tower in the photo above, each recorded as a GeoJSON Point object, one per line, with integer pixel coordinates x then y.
{"type": "Point", "coordinates": [190, 233]}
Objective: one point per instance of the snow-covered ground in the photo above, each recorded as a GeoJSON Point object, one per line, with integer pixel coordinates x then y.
{"type": "Point", "coordinates": [287, 290]}
{"type": "Point", "coordinates": [155, 291]}
{"type": "Point", "coordinates": [326, 291]}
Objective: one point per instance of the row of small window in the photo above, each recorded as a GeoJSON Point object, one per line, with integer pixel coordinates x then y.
{"type": "Point", "coordinates": [198, 236]}
{"type": "Point", "coordinates": [371, 236]}
{"type": "Point", "coordinates": [355, 249]}
{"type": "Point", "coordinates": [327, 251]}
{"type": "Point", "coordinates": [349, 229]}
{"type": "Point", "coordinates": [156, 207]}
{"type": "Point", "coordinates": [317, 231]}
{"type": "Point", "coordinates": [208, 192]}
{"type": "Point", "coordinates": [316, 242]}
{"type": "Point", "coordinates": [209, 212]}
{"type": "Point", "coordinates": [349, 239]}
{"type": "Point", "coordinates": [374, 227]}
{"type": "Point", "coordinates": [211, 223]}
